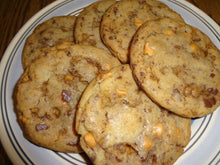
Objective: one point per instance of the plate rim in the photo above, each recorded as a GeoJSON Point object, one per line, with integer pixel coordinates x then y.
{"type": "Point", "coordinates": [22, 32]}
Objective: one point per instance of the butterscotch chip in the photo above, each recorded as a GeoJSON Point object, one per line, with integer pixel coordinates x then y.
{"type": "Point", "coordinates": [148, 50]}
{"type": "Point", "coordinates": [138, 22]}
{"type": "Point", "coordinates": [158, 129]}
{"type": "Point", "coordinates": [176, 64]}
{"type": "Point", "coordinates": [118, 123]}
{"type": "Point", "coordinates": [169, 32]}
{"type": "Point", "coordinates": [90, 140]}
{"type": "Point", "coordinates": [88, 24]}
{"type": "Point", "coordinates": [123, 18]}
{"type": "Point", "coordinates": [52, 32]}
{"type": "Point", "coordinates": [49, 89]}
{"type": "Point", "coordinates": [148, 143]}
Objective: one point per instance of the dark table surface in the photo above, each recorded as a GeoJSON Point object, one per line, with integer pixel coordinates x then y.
{"type": "Point", "coordinates": [15, 13]}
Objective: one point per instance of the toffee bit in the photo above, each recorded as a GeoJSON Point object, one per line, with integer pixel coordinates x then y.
{"type": "Point", "coordinates": [66, 95]}
{"type": "Point", "coordinates": [40, 127]}
{"type": "Point", "coordinates": [176, 90]}
{"type": "Point", "coordinates": [119, 77]}
{"type": "Point", "coordinates": [210, 90]}
{"type": "Point", "coordinates": [68, 53]}
{"type": "Point", "coordinates": [69, 113]}
{"type": "Point", "coordinates": [112, 37]}
{"type": "Point", "coordinates": [213, 91]}
{"type": "Point", "coordinates": [115, 10]}
{"type": "Point", "coordinates": [122, 68]}
{"type": "Point", "coordinates": [136, 40]}
{"type": "Point", "coordinates": [212, 75]}
{"type": "Point", "coordinates": [209, 102]}
{"type": "Point", "coordinates": [197, 39]}
{"type": "Point", "coordinates": [119, 160]}
{"type": "Point", "coordinates": [45, 117]}
{"type": "Point", "coordinates": [142, 73]}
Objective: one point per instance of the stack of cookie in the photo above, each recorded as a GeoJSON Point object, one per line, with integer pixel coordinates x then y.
{"type": "Point", "coordinates": [120, 81]}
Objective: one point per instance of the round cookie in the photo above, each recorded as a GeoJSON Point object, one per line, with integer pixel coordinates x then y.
{"type": "Point", "coordinates": [49, 33]}
{"type": "Point", "coordinates": [88, 24]}
{"type": "Point", "coordinates": [177, 66]}
{"type": "Point", "coordinates": [123, 18]}
{"type": "Point", "coordinates": [48, 91]}
{"type": "Point", "coordinates": [119, 124]}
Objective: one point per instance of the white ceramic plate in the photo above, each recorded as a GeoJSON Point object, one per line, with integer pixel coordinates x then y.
{"type": "Point", "coordinates": [204, 146]}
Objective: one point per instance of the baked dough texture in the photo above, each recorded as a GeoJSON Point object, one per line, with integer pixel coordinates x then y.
{"type": "Point", "coordinates": [177, 66]}
{"type": "Point", "coordinates": [47, 34]}
{"type": "Point", "coordinates": [119, 124]}
{"type": "Point", "coordinates": [48, 91]}
{"type": "Point", "coordinates": [122, 19]}
{"type": "Point", "coordinates": [87, 29]}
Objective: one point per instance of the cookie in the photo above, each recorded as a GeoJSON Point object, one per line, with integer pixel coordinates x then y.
{"type": "Point", "coordinates": [48, 91]}
{"type": "Point", "coordinates": [177, 66]}
{"type": "Point", "coordinates": [49, 33]}
{"type": "Point", "coordinates": [88, 24]}
{"type": "Point", "coordinates": [119, 124]}
{"type": "Point", "coordinates": [123, 18]}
